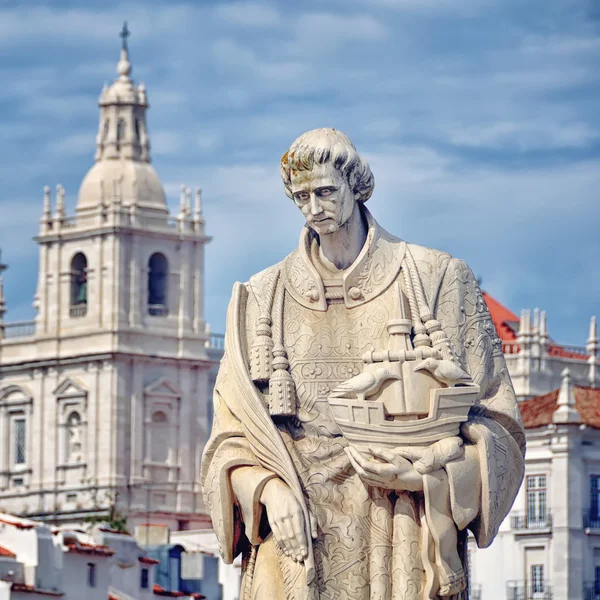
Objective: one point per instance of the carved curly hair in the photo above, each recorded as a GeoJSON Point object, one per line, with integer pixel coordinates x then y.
{"type": "Point", "coordinates": [322, 146]}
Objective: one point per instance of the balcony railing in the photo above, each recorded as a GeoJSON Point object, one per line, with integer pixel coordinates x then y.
{"type": "Point", "coordinates": [525, 521]}
{"type": "Point", "coordinates": [216, 341]}
{"type": "Point", "coordinates": [527, 590]}
{"type": "Point", "coordinates": [591, 519]}
{"type": "Point", "coordinates": [79, 310]}
{"type": "Point", "coordinates": [17, 329]}
{"type": "Point", "coordinates": [591, 590]}
{"type": "Point", "coordinates": [158, 310]}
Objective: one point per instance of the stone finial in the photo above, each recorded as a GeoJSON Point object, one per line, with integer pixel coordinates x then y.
{"type": "Point", "coordinates": [142, 93]}
{"type": "Point", "coordinates": [536, 320]}
{"type": "Point", "coordinates": [59, 212]}
{"type": "Point", "coordinates": [566, 411]}
{"type": "Point", "coordinates": [593, 348]}
{"type": "Point", "coordinates": [198, 205]}
{"type": "Point", "coordinates": [188, 202]}
{"type": "Point", "coordinates": [182, 190]}
{"type": "Point", "coordinates": [543, 326]}
{"type": "Point", "coordinates": [592, 342]}
{"type": "Point", "coordinates": [47, 210]}
{"type": "Point", "coordinates": [525, 322]}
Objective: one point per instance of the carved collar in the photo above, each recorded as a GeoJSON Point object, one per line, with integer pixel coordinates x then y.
{"type": "Point", "coordinates": [373, 271]}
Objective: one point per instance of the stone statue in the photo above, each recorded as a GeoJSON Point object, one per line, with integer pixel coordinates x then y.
{"type": "Point", "coordinates": [364, 418]}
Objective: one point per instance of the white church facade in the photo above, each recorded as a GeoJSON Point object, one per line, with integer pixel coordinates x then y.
{"type": "Point", "coordinates": [103, 398]}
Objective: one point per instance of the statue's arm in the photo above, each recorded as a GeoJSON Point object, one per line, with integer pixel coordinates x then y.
{"type": "Point", "coordinates": [232, 482]}
{"type": "Point", "coordinates": [485, 481]}
{"type": "Point", "coordinates": [232, 478]}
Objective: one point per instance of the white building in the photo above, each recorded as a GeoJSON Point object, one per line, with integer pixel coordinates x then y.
{"type": "Point", "coordinates": [103, 398]}
{"type": "Point", "coordinates": [549, 545]}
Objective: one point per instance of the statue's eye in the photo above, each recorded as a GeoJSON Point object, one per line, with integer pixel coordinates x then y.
{"type": "Point", "coordinates": [324, 192]}
{"type": "Point", "coordinates": [302, 196]}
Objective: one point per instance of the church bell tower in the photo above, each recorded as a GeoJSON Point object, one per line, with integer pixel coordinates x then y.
{"type": "Point", "coordinates": [115, 377]}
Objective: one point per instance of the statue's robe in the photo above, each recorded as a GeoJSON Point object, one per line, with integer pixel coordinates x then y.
{"type": "Point", "coordinates": [372, 544]}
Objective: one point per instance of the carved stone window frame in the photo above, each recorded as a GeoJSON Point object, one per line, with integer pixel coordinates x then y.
{"type": "Point", "coordinates": [71, 396]}
{"type": "Point", "coordinates": [162, 396]}
{"type": "Point", "coordinates": [16, 402]}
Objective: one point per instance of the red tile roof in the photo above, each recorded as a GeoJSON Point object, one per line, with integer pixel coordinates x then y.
{"type": "Point", "coordinates": [501, 317]}
{"type": "Point", "coordinates": [7, 552]}
{"type": "Point", "coordinates": [29, 589]}
{"type": "Point", "coordinates": [83, 548]}
{"type": "Point", "coordinates": [160, 591]}
{"type": "Point", "coordinates": [538, 411]}
{"type": "Point", "coordinates": [148, 561]}
{"type": "Point", "coordinates": [18, 523]}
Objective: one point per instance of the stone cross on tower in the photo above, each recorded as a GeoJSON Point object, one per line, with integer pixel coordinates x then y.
{"type": "Point", "coordinates": [125, 33]}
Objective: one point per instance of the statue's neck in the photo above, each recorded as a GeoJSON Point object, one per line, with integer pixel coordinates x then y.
{"type": "Point", "coordinates": [343, 246]}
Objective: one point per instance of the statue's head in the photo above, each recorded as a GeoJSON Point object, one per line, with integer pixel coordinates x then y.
{"type": "Point", "coordinates": [325, 177]}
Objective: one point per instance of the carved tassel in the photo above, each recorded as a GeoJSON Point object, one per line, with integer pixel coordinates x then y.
{"type": "Point", "coordinates": [261, 353]}
{"type": "Point", "coordinates": [281, 386]}
{"type": "Point", "coordinates": [282, 389]}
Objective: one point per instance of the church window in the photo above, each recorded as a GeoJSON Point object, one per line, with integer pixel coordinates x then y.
{"type": "Point", "coordinates": [160, 438]}
{"type": "Point", "coordinates": [105, 131]}
{"type": "Point", "coordinates": [120, 132]}
{"type": "Point", "coordinates": [73, 438]}
{"type": "Point", "coordinates": [137, 130]}
{"type": "Point", "coordinates": [78, 285]}
{"type": "Point", "coordinates": [20, 440]}
{"type": "Point", "coordinates": [158, 270]}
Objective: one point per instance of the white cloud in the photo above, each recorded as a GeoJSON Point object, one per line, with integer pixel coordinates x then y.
{"type": "Point", "coordinates": [76, 144]}
{"type": "Point", "coordinates": [316, 31]}
{"type": "Point", "coordinates": [165, 143]}
{"type": "Point", "coordinates": [248, 14]}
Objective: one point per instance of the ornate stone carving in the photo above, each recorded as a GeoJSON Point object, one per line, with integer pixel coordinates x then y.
{"type": "Point", "coordinates": [386, 425]}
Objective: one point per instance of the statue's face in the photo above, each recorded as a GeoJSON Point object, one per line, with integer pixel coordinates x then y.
{"type": "Point", "coordinates": [324, 197]}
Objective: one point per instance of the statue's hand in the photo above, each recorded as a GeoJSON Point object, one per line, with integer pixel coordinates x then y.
{"type": "Point", "coordinates": [285, 518]}
{"type": "Point", "coordinates": [391, 471]}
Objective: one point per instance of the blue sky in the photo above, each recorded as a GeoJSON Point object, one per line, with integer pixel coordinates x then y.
{"type": "Point", "coordinates": [480, 119]}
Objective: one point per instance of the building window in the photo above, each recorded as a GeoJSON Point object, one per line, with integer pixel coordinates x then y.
{"type": "Point", "coordinates": [78, 285]}
{"type": "Point", "coordinates": [536, 501]}
{"type": "Point", "coordinates": [158, 271]}
{"type": "Point", "coordinates": [73, 441]}
{"type": "Point", "coordinates": [537, 579]}
{"type": "Point", "coordinates": [137, 130]}
{"type": "Point", "coordinates": [105, 132]}
{"type": "Point", "coordinates": [20, 441]}
{"type": "Point", "coordinates": [91, 575]}
{"type": "Point", "coordinates": [595, 498]}
{"type": "Point", "coordinates": [161, 434]}
{"type": "Point", "coordinates": [144, 579]}
{"type": "Point", "coordinates": [120, 132]}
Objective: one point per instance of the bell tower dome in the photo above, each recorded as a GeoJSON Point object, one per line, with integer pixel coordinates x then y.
{"type": "Point", "coordinates": [122, 169]}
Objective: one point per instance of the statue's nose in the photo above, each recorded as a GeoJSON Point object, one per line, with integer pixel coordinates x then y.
{"type": "Point", "coordinates": [315, 205]}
